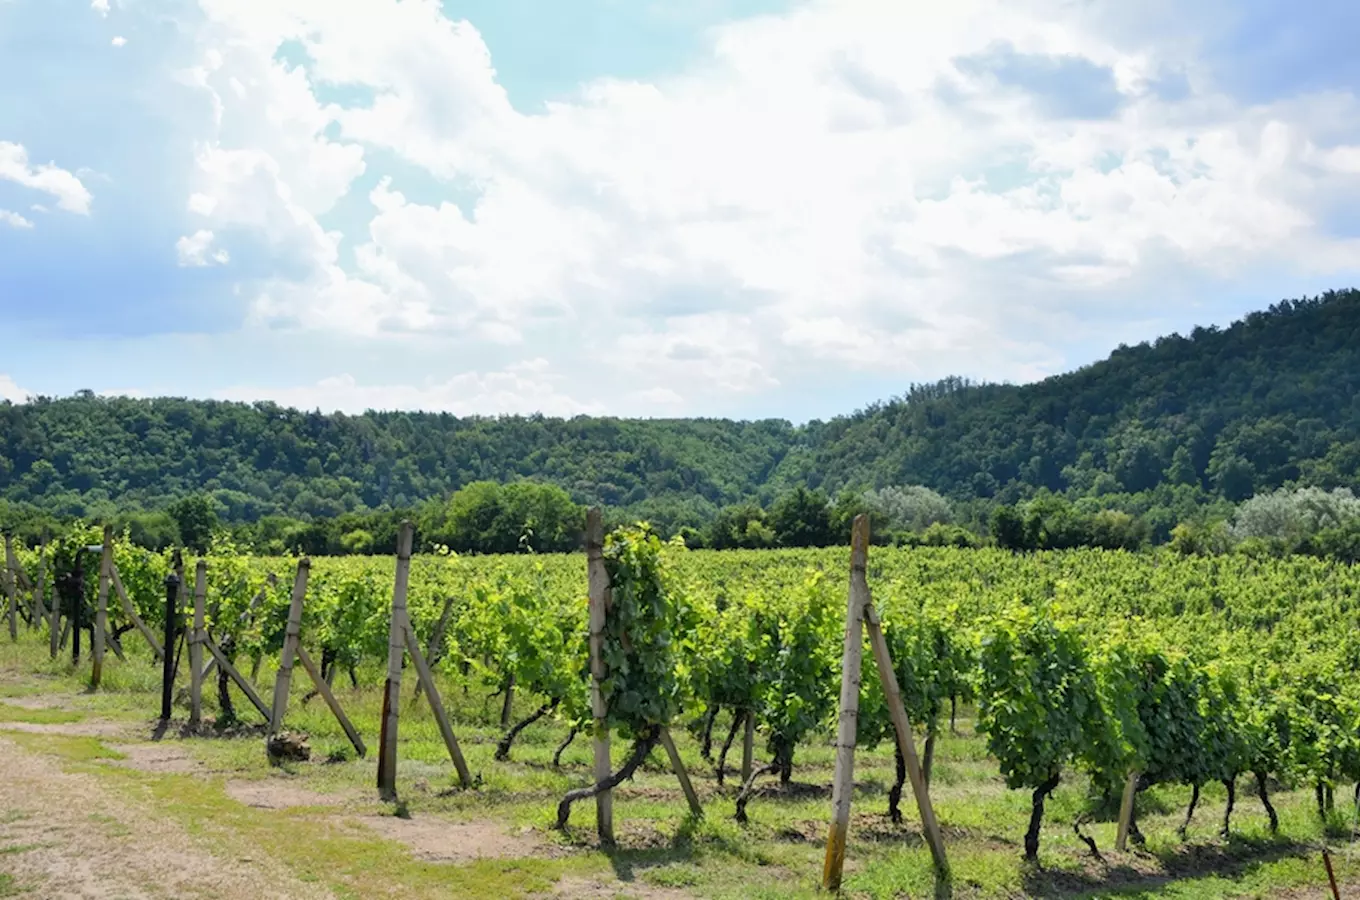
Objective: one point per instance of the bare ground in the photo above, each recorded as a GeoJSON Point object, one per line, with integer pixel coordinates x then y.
{"type": "Point", "coordinates": [62, 835]}
{"type": "Point", "coordinates": [440, 840]}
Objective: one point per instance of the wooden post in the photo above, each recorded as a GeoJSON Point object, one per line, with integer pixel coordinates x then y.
{"type": "Point", "coordinates": [441, 715]}
{"type": "Point", "coordinates": [1121, 840]}
{"type": "Point", "coordinates": [598, 577]}
{"type": "Point", "coordinates": [171, 632]}
{"type": "Point", "coordinates": [283, 683]}
{"type": "Point", "coordinates": [11, 585]}
{"type": "Point", "coordinates": [509, 701]}
{"type": "Point", "coordinates": [40, 589]}
{"type": "Point", "coordinates": [101, 610]}
{"type": "Point", "coordinates": [325, 690]}
{"type": "Point", "coordinates": [131, 612]}
{"type": "Point", "coordinates": [681, 774]}
{"type": "Point", "coordinates": [748, 747]}
{"type": "Point", "coordinates": [196, 645]}
{"type": "Point", "coordinates": [905, 741]}
{"type": "Point", "coordinates": [54, 626]}
{"type": "Point", "coordinates": [396, 648]}
{"type": "Point", "coordinates": [844, 784]}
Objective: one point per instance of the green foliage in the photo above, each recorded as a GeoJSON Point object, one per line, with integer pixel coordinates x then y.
{"type": "Point", "coordinates": [1160, 432]}
{"type": "Point", "coordinates": [486, 517]}
{"type": "Point", "coordinates": [196, 518]}
{"type": "Point", "coordinates": [646, 680]}
{"type": "Point", "coordinates": [802, 518]}
{"type": "Point", "coordinates": [1037, 696]}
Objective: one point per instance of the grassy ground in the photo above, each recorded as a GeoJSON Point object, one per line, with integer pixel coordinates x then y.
{"type": "Point", "coordinates": [331, 831]}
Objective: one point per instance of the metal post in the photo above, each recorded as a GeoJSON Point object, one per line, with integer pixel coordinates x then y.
{"type": "Point", "coordinates": [171, 632]}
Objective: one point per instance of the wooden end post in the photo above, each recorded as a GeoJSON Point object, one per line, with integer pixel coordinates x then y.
{"type": "Point", "coordinates": [598, 577]}
{"type": "Point", "coordinates": [54, 626]}
{"type": "Point", "coordinates": [1121, 840]}
{"type": "Point", "coordinates": [40, 589]}
{"type": "Point", "coordinates": [284, 682]}
{"type": "Point", "coordinates": [101, 610]}
{"type": "Point", "coordinates": [748, 746]}
{"type": "Point", "coordinates": [396, 649]}
{"type": "Point", "coordinates": [11, 586]}
{"type": "Point", "coordinates": [843, 786]}
{"type": "Point", "coordinates": [196, 635]}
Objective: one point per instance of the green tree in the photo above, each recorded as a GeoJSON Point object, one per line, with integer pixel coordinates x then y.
{"type": "Point", "coordinates": [801, 518]}
{"type": "Point", "coordinates": [196, 518]}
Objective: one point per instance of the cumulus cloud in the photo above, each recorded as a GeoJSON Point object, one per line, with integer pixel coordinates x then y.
{"type": "Point", "coordinates": [524, 388]}
{"type": "Point", "coordinates": [13, 219]}
{"type": "Point", "coordinates": [854, 183]}
{"type": "Point", "coordinates": [196, 250]}
{"type": "Point", "coordinates": [11, 391]}
{"type": "Point", "coordinates": [119, 40]}
{"type": "Point", "coordinates": [100, 6]}
{"type": "Point", "coordinates": [60, 184]}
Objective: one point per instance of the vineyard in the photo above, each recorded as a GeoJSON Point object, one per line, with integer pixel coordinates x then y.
{"type": "Point", "coordinates": [1112, 694]}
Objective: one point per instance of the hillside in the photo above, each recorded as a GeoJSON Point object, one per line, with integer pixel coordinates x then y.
{"type": "Point", "coordinates": [1219, 414]}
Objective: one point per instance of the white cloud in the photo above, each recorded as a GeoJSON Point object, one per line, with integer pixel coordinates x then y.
{"type": "Point", "coordinates": [13, 219]}
{"type": "Point", "coordinates": [524, 388]}
{"type": "Point", "coordinates": [100, 6]}
{"type": "Point", "coordinates": [64, 187]}
{"type": "Point", "coordinates": [11, 391]}
{"type": "Point", "coordinates": [119, 40]}
{"type": "Point", "coordinates": [851, 183]}
{"type": "Point", "coordinates": [193, 250]}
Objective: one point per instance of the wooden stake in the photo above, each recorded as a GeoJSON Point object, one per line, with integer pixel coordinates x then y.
{"type": "Point", "coordinates": [1121, 840]}
{"type": "Point", "coordinates": [40, 589]}
{"type": "Point", "coordinates": [748, 747]}
{"type": "Point", "coordinates": [843, 785]}
{"type": "Point", "coordinates": [246, 687]}
{"type": "Point", "coordinates": [441, 715]}
{"type": "Point", "coordinates": [101, 610]}
{"type": "Point", "coordinates": [196, 636]}
{"type": "Point", "coordinates": [905, 741]}
{"type": "Point", "coordinates": [54, 626]}
{"type": "Point", "coordinates": [396, 649]}
{"type": "Point", "coordinates": [598, 577]}
{"type": "Point", "coordinates": [283, 683]}
{"type": "Point", "coordinates": [131, 612]}
{"type": "Point", "coordinates": [325, 691]}
{"type": "Point", "coordinates": [681, 774]}
{"type": "Point", "coordinates": [10, 587]}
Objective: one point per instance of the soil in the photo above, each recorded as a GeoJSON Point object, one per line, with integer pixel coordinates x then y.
{"type": "Point", "coordinates": [65, 836]}
{"type": "Point", "coordinates": [161, 759]}
{"type": "Point", "coordinates": [595, 889]}
{"type": "Point", "coordinates": [440, 840]}
{"type": "Point", "coordinates": [70, 729]}
{"type": "Point", "coordinates": [278, 793]}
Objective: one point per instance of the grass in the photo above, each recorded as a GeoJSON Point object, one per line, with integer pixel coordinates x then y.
{"type": "Point", "coordinates": [779, 854]}
{"type": "Point", "coordinates": [38, 716]}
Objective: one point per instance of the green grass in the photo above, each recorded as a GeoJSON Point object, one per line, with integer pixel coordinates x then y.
{"type": "Point", "coordinates": [38, 716]}
{"type": "Point", "coordinates": [66, 747]}
{"type": "Point", "coordinates": [779, 854]}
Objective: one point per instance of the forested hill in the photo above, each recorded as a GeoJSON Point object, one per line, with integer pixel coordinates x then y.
{"type": "Point", "coordinates": [1217, 414]}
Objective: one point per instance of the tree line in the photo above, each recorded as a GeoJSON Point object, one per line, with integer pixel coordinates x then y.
{"type": "Point", "coordinates": [1177, 432]}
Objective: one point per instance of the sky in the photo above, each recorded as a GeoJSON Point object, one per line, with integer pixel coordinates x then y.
{"type": "Point", "coordinates": [744, 208]}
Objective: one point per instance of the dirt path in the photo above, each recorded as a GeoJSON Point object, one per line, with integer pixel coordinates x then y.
{"type": "Point", "coordinates": [64, 835]}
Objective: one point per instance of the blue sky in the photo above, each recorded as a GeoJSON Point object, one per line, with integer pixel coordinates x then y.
{"type": "Point", "coordinates": [652, 207]}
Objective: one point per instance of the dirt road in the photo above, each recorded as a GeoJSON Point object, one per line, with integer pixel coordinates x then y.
{"type": "Point", "coordinates": [65, 835]}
